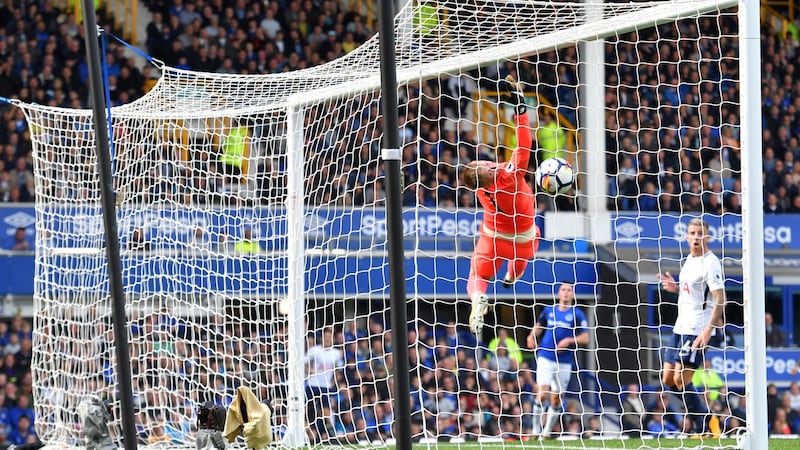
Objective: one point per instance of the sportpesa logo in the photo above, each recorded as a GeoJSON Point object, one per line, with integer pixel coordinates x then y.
{"type": "Point", "coordinates": [732, 233]}
{"type": "Point", "coordinates": [424, 225]}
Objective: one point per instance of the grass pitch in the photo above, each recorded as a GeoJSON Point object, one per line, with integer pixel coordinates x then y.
{"type": "Point", "coordinates": [698, 444]}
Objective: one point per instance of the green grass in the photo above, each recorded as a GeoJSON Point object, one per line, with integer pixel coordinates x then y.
{"type": "Point", "coordinates": [774, 444]}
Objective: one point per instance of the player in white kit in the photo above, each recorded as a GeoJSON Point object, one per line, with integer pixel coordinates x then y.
{"type": "Point", "coordinates": [701, 302]}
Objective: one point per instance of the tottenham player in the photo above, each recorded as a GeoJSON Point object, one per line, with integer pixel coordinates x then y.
{"type": "Point", "coordinates": [701, 301]}
{"type": "Point", "coordinates": [508, 232]}
{"type": "Point", "coordinates": [559, 330]}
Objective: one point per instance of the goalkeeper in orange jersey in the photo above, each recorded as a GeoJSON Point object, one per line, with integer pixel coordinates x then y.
{"type": "Point", "coordinates": [508, 232]}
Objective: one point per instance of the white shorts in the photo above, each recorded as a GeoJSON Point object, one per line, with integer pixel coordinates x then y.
{"type": "Point", "coordinates": [553, 374]}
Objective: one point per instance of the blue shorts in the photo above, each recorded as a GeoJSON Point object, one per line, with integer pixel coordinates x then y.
{"type": "Point", "coordinates": [680, 352]}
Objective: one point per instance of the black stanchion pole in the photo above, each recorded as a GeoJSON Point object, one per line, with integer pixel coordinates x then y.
{"type": "Point", "coordinates": [391, 155]}
{"type": "Point", "coordinates": [120, 321]}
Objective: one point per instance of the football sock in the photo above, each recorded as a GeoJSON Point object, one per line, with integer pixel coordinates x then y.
{"type": "Point", "coordinates": [553, 415]}
{"type": "Point", "coordinates": [537, 418]}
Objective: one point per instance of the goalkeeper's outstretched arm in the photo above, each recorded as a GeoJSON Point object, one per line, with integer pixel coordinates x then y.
{"type": "Point", "coordinates": [515, 96]}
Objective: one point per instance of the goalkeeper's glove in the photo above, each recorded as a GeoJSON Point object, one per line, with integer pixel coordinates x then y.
{"type": "Point", "coordinates": [513, 94]}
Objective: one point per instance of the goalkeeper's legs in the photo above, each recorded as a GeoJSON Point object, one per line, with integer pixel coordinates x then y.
{"type": "Point", "coordinates": [515, 269]}
{"type": "Point", "coordinates": [519, 257]}
{"type": "Point", "coordinates": [484, 266]}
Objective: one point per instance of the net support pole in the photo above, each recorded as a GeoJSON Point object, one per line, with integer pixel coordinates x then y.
{"type": "Point", "coordinates": [753, 225]}
{"type": "Point", "coordinates": [295, 435]}
{"type": "Point", "coordinates": [118, 318]}
{"type": "Point", "coordinates": [391, 155]}
{"type": "Point", "coordinates": [593, 123]}
{"type": "Point", "coordinates": [592, 59]}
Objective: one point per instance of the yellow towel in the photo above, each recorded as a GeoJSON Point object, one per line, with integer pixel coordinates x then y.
{"type": "Point", "coordinates": [249, 417]}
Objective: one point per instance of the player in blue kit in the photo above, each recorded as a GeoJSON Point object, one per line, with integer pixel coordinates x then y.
{"type": "Point", "coordinates": [558, 332]}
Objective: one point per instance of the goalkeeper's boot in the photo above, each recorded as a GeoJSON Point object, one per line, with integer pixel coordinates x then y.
{"type": "Point", "coordinates": [508, 281]}
{"type": "Point", "coordinates": [480, 304]}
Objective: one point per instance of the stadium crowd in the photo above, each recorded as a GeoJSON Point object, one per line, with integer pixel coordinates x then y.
{"type": "Point", "coordinates": [692, 165]}
{"type": "Point", "coordinates": [459, 387]}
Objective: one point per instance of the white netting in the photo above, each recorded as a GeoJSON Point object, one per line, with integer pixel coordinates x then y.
{"type": "Point", "coordinates": [228, 285]}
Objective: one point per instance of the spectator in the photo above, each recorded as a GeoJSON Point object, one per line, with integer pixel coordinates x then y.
{"type": "Point", "coordinates": [776, 337]}
{"type": "Point", "coordinates": [511, 345]}
{"type": "Point", "coordinates": [22, 432]}
{"type": "Point", "coordinates": [709, 381]}
{"type": "Point", "coordinates": [503, 363]}
{"type": "Point", "coordinates": [551, 137]}
{"type": "Point", "coordinates": [792, 415]}
{"type": "Point", "coordinates": [138, 241]}
{"type": "Point", "coordinates": [19, 242]}
{"type": "Point", "coordinates": [794, 398]}
{"type": "Point", "coordinates": [773, 402]}
{"type": "Point", "coordinates": [13, 346]}
{"type": "Point", "coordinates": [158, 434]}
{"type": "Point", "coordinates": [671, 420]}
{"type": "Point", "coordinates": [780, 425]}
{"type": "Point", "coordinates": [22, 409]}
{"type": "Point", "coordinates": [4, 431]}
{"type": "Point", "coordinates": [660, 427]}
{"type": "Point", "coordinates": [592, 427]}
{"type": "Point", "coordinates": [633, 418]}
{"type": "Point", "coordinates": [199, 241]}
{"type": "Point", "coordinates": [738, 413]}
{"type": "Point", "coordinates": [247, 245]}
{"type": "Point", "coordinates": [773, 205]}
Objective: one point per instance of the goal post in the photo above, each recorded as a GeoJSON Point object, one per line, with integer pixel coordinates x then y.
{"type": "Point", "coordinates": [252, 220]}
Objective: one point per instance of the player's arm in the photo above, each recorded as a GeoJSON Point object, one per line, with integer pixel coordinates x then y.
{"type": "Point", "coordinates": [534, 335]}
{"type": "Point", "coordinates": [536, 332]}
{"type": "Point", "coordinates": [580, 337]}
{"type": "Point", "coordinates": [668, 282]}
{"type": "Point", "coordinates": [716, 284]}
{"type": "Point", "coordinates": [716, 320]}
{"type": "Point", "coordinates": [516, 98]}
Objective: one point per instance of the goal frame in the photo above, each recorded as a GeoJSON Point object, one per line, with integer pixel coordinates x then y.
{"type": "Point", "coordinates": [597, 219]}
{"type": "Point", "coordinates": [752, 218]}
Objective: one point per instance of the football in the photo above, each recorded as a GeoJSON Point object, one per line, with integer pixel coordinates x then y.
{"type": "Point", "coordinates": [555, 176]}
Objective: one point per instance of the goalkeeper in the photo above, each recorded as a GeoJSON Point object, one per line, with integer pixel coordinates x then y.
{"type": "Point", "coordinates": [508, 232]}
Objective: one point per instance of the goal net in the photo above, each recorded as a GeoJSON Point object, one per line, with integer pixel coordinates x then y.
{"type": "Point", "coordinates": [252, 228]}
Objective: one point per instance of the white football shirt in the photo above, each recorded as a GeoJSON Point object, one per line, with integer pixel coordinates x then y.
{"type": "Point", "coordinates": [322, 364]}
{"type": "Point", "coordinates": [700, 275]}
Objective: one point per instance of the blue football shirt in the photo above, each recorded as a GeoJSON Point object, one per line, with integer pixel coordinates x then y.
{"type": "Point", "coordinates": [558, 325]}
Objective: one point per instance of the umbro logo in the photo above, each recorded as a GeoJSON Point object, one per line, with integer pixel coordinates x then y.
{"type": "Point", "coordinates": [20, 220]}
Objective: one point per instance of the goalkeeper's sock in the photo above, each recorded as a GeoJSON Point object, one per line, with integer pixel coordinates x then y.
{"type": "Point", "coordinates": [537, 418]}
{"type": "Point", "coordinates": [553, 414]}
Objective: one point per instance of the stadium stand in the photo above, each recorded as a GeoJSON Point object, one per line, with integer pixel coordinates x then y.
{"type": "Point", "coordinates": [42, 60]}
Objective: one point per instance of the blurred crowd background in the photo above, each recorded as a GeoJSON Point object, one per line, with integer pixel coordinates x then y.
{"type": "Point", "coordinates": [672, 145]}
